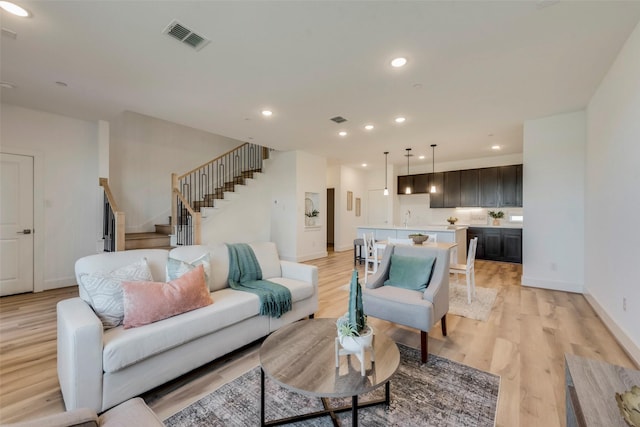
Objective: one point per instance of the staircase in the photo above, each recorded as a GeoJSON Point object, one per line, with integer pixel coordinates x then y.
{"type": "Point", "coordinates": [209, 200]}
{"type": "Point", "coordinates": [152, 240]}
{"type": "Point", "coordinates": [206, 186]}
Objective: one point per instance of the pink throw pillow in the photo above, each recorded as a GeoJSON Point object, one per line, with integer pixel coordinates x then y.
{"type": "Point", "coordinates": [148, 302]}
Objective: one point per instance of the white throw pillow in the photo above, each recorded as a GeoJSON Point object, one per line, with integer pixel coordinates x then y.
{"type": "Point", "coordinates": [177, 267]}
{"type": "Point", "coordinates": [267, 256]}
{"type": "Point", "coordinates": [105, 290]}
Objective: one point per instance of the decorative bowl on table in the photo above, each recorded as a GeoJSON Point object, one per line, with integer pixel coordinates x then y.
{"type": "Point", "coordinates": [418, 239]}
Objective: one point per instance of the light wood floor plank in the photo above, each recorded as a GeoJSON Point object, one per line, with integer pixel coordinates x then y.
{"type": "Point", "coordinates": [524, 341]}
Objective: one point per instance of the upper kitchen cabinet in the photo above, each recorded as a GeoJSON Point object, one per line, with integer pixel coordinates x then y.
{"type": "Point", "coordinates": [421, 183]}
{"type": "Point", "coordinates": [436, 200]}
{"type": "Point", "coordinates": [469, 189]}
{"type": "Point", "coordinates": [493, 187]}
{"type": "Point", "coordinates": [452, 189]}
{"type": "Point", "coordinates": [403, 182]}
{"type": "Point", "coordinates": [511, 185]}
{"type": "Point", "coordinates": [488, 183]}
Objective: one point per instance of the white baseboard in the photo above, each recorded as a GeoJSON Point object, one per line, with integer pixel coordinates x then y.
{"type": "Point", "coordinates": [556, 285]}
{"type": "Point", "coordinates": [343, 248]}
{"type": "Point", "coordinates": [59, 283]}
{"type": "Point", "coordinates": [629, 347]}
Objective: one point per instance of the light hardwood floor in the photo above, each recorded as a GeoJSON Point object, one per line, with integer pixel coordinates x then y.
{"type": "Point", "coordinates": [524, 341]}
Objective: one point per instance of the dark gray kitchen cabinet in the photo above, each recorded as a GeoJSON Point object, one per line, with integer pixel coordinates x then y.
{"type": "Point", "coordinates": [436, 200]}
{"type": "Point", "coordinates": [421, 183]}
{"type": "Point", "coordinates": [469, 189]}
{"type": "Point", "coordinates": [403, 182]}
{"type": "Point", "coordinates": [497, 244]}
{"type": "Point", "coordinates": [511, 186]}
{"type": "Point", "coordinates": [488, 183]}
{"type": "Point", "coordinates": [452, 189]}
{"type": "Point", "coordinates": [511, 245]}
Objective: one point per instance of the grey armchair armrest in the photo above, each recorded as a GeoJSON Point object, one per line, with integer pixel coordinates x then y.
{"type": "Point", "coordinates": [415, 309]}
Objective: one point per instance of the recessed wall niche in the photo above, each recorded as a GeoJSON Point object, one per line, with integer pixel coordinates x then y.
{"type": "Point", "coordinates": [311, 209]}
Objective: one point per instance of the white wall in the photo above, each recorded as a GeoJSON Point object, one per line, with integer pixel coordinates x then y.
{"type": "Point", "coordinates": [68, 186]}
{"type": "Point", "coordinates": [613, 197]}
{"type": "Point", "coordinates": [245, 217]}
{"type": "Point", "coordinates": [353, 180]}
{"type": "Point", "coordinates": [553, 202]}
{"type": "Point", "coordinates": [311, 172]}
{"type": "Point", "coordinates": [291, 174]}
{"type": "Point", "coordinates": [144, 151]}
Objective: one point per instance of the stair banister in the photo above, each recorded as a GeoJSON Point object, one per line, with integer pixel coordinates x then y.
{"type": "Point", "coordinates": [113, 220]}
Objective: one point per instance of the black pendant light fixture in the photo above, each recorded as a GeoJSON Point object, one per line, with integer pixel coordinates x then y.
{"type": "Point", "coordinates": [386, 190]}
{"type": "Point", "coordinates": [408, 189]}
{"type": "Point", "coordinates": [433, 167]}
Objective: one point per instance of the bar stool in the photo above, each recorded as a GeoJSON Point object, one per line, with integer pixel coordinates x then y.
{"type": "Point", "coordinates": [357, 251]}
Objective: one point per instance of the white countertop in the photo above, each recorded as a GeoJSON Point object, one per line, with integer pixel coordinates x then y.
{"type": "Point", "coordinates": [443, 228]}
{"type": "Point", "coordinates": [440, 227]}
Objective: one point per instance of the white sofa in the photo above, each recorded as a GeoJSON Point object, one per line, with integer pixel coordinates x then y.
{"type": "Point", "coordinates": [99, 369]}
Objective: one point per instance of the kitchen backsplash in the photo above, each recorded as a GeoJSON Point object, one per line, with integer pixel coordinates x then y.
{"type": "Point", "coordinates": [421, 214]}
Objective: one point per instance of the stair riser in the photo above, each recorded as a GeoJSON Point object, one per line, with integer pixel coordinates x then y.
{"type": "Point", "coordinates": [150, 243]}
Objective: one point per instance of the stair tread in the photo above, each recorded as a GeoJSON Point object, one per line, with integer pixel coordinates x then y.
{"type": "Point", "coordinates": [148, 235]}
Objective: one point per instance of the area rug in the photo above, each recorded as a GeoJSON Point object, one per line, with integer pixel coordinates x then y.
{"type": "Point", "coordinates": [439, 393]}
{"type": "Point", "coordinates": [480, 307]}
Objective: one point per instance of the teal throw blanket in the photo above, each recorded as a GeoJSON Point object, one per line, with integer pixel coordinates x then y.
{"type": "Point", "coordinates": [245, 275]}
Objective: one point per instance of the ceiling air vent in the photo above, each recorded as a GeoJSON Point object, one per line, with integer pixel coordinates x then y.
{"type": "Point", "coordinates": [338, 119]}
{"type": "Point", "coordinates": [186, 35]}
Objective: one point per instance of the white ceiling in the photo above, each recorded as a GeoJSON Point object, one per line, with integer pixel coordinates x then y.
{"type": "Point", "coordinates": [476, 68]}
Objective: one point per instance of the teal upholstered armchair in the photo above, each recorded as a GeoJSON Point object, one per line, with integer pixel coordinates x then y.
{"type": "Point", "coordinates": [397, 291]}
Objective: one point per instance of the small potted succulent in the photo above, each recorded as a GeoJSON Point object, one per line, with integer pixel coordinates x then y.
{"type": "Point", "coordinates": [452, 220]}
{"type": "Point", "coordinates": [496, 216]}
{"type": "Point", "coordinates": [353, 331]}
{"type": "Point", "coordinates": [418, 238]}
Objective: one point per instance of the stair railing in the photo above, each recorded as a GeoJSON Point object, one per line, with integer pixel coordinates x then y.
{"type": "Point", "coordinates": [112, 220]}
{"type": "Point", "coordinates": [202, 185]}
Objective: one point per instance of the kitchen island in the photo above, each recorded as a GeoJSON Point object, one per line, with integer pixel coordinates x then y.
{"type": "Point", "coordinates": [445, 234]}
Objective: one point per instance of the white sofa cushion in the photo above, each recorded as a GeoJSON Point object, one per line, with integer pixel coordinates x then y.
{"type": "Point", "coordinates": [299, 290]}
{"type": "Point", "coordinates": [267, 256]}
{"type": "Point", "coordinates": [123, 348]}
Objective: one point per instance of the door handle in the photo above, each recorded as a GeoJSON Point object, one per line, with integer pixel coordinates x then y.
{"type": "Point", "coordinates": [25, 231]}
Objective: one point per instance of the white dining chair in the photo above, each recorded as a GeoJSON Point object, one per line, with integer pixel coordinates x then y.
{"type": "Point", "coordinates": [468, 270]}
{"type": "Point", "coordinates": [433, 238]}
{"type": "Point", "coordinates": [372, 255]}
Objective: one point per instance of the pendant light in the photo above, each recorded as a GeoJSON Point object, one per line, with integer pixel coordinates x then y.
{"type": "Point", "coordinates": [408, 189]}
{"type": "Point", "coordinates": [433, 166]}
{"type": "Point", "coordinates": [386, 190]}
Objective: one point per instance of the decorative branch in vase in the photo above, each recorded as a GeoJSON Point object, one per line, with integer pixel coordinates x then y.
{"type": "Point", "coordinates": [496, 215]}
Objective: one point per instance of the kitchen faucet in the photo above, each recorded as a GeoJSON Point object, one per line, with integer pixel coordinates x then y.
{"type": "Point", "coordinates": [407, 215]}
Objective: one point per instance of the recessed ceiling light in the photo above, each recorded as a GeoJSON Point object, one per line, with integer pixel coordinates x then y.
{"type": "Point", "coordinates": [399, 62]}
{"type": "Point", "coordinates": [7, 85]}
{"type": "Point", "coordinates": [267, 113]}
{"type": "Point", "coordinates": [342, 133]}
{"type": "Point", "coordinates": [421, 157]}
{"type": "Point", "coordinates": [400, 119]}
{"type": "Point", "coordinates": [364, 165]}
{"type": "Point", "coordinates": [14, 9]}
{"type": "Point", "coordinates": [368, 127]}
{"type": "Point", "coordinates": [495, 147]}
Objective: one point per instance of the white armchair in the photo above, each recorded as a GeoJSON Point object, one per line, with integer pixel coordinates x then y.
{"type": "Point", "coordinates": [416, 309]}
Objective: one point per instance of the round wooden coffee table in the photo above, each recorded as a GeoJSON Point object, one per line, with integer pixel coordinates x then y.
{"type": "Point", "coordinates": [302, 357]}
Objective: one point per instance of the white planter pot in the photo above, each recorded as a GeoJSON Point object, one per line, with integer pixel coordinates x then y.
{"type": "Point", "coordinates": [355, 344]}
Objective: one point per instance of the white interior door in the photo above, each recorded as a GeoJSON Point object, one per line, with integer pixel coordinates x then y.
{"type": "Point", "coordinates": [16, 224]}
{"type": "Point", "coordinates": [378, 208]}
